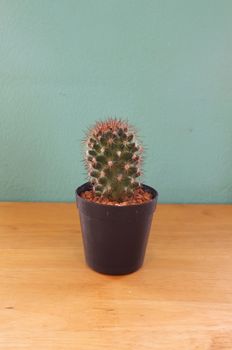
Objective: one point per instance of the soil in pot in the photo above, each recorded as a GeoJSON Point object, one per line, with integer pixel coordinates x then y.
{"type": "Point", "coordinates": [139, 196]}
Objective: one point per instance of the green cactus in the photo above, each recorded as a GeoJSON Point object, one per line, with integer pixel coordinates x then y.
{"type": "Point", "coordinates": [113, 159]}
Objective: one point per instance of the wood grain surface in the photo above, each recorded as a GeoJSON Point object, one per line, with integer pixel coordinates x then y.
{"type": "Point", "coordinates": [180, 299]}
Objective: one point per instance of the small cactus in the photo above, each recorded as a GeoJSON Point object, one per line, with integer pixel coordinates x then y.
{"type": "Point", "coordinates": [113, 158]}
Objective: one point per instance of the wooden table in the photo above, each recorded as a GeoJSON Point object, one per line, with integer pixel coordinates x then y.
{"type": "Point", "coordinates": [180, 300]}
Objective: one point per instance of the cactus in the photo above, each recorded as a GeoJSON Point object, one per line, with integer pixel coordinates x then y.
{"type": "Point", "coordinates": [113, 159]}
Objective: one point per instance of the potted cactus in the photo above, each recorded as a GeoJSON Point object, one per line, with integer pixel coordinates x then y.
{"type": "Point", "coordinates": [115, 209]}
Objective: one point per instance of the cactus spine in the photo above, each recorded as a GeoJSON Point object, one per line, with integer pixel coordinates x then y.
{"type": "Point", "coordinates": [113, 159]}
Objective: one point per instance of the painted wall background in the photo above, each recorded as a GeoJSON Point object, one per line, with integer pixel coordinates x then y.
{"type": "Point", "coordinates": [164, 65]}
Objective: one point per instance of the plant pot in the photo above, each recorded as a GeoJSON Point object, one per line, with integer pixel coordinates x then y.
{"type": "Point", "coordinates": [115, 237]}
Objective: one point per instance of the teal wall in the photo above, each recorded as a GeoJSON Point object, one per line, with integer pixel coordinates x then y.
{"type": "Point", "coordinates": [165, 65]}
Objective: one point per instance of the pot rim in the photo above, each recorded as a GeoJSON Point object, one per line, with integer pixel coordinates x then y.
{"type": "Point", "coordinates": [147, 188]}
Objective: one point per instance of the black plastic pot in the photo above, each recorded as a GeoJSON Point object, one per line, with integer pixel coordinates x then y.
{"type": "Point", "coordinates": [115, 237]}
